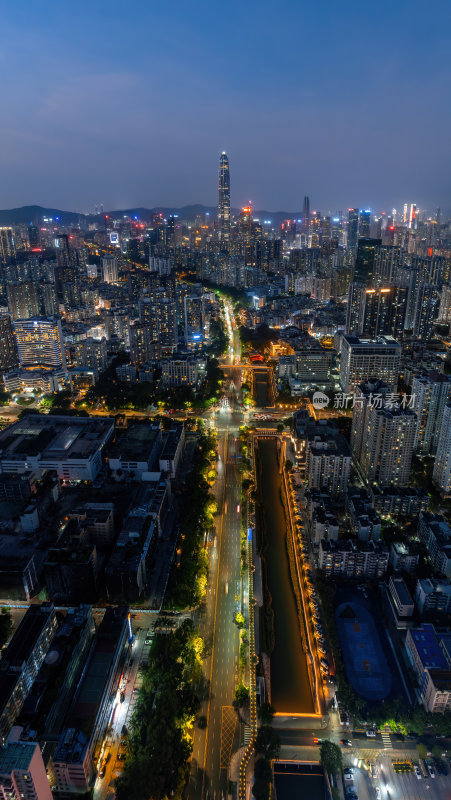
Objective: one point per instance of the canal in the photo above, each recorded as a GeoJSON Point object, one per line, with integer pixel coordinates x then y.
{"type": "Point", "coordinates": [290, 685]}
{"type": "Point", "coordinates": [261, 388]}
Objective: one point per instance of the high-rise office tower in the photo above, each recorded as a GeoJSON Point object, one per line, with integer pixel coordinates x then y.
{"type": "Point", "coordinates": [387, 444]}
{"type": "Point", "coordinates": [365, 223]}
{"type": "Point", "coordinates": [365, 261]}
{"type": "Point", "coordinates": [441, 475]}
{"type": "Point", "coordinates": [22, 772]}
{"type": "Point", "coordinates": [109, 268]}
{"type": "Point", "coordinates": [7, 247]}
{"type": "Point", "coordinates": [353, 226]}
{"type": "Point", "coordinates": [305, 225]}
{"type": "Point", "coordinates": [431, 392]}
{"type": "Point", "coordinates": [224, 199]}
{"type": "Point", "coordinates": [40, 342]}
{"type": "Point", "coordinates": [33, 235]}
{"type": "Point", "coordinates": [8, 349]}
{"type": "Point", "coordinates": [23, 301]}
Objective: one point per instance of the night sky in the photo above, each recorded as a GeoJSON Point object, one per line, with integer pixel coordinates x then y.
{"type": "Point", "coordinates": [131, 103]}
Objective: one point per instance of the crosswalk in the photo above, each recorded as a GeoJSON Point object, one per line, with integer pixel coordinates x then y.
{"type": "Point", "coordinates": [386, 740]}
{"type": "Point", "coordinates": [247, 735]}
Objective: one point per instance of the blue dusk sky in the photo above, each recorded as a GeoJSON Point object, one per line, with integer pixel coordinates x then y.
{"type": "Point", "coordinates": [131, 104]}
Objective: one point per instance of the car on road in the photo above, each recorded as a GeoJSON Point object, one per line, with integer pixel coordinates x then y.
{"type": "Point", "coordinates": [349, 776]}
{"type": "Point", "coordinates": [348, 770]}
{"type": "Point", "coordinates": [417, 772]}
{"type": "Point", "coordinates": [431, 771]}
{"type": "Point", "coordinates": [371, 734]}
{"type": "Point", "coordinates": [378, 793]}
{"type": "Point", "coordinates": [346, 742]}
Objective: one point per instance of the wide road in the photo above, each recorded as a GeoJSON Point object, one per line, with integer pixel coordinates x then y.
{"type": "Point", "coordinates": [212, 747]}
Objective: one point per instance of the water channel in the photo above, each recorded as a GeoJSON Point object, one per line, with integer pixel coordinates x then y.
{"type": "Point", "coordinates": [290, 685]}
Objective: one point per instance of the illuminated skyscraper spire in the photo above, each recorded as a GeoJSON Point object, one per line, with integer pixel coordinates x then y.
{"type": "Point", "coordinates": [224, 198]}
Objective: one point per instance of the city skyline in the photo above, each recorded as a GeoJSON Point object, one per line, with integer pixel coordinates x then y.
{"type": "Point", "coordinates": [135, 114]}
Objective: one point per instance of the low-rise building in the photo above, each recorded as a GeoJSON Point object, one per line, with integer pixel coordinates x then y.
{"type": "Point", "coordinates": [365, 521]}
{"type": "Point", "coordinates": [428, 653]}
{"type": "Point", "coordinates": [22, 772]}
{"type": "Point", "coordinates": [423, 649]}
{"type": "Point", "coordinates": [136, 451]}
{"type": "Point", "coordinates": [402, 599]}
{"type": "Point", "coordinates": [402, 559]}
{"type": "Point", "coordinates": [22, 661]}
{"type": "Point", "coordinates": [433, 594]}
{"type": "Point", "coordinates": [435, 532]}
{"type": "Point", "coordinates": [349, 559]}
{"type": "Point", "coordinates": [72, 766]}
{"type": "Point", "coordinates": [405, 501]}
{"type": "Point", "coordinates": [183, 371]}
{"type": "Point", "coordinates": [172, 450]}
{"type": "Point", "coordinates": [72, 446]}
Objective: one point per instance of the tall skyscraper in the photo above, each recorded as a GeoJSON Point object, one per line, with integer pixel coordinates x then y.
{"type": "Point", "coordinates": [353, 226]}
{"type": "Point", "coordinates": [40, 342]}
{"type": "Point", "coordinates": [224, 199]}
{"type": "Point", "coordinates": [364, 223]}
{"type": "Point", "coordinates": [365, 261]}
{"type": "Point", "coordinates": [305, 227]}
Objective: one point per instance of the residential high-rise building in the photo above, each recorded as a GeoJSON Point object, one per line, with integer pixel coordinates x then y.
{"type": "Point", "coordinates": [370, 391]}
{"type": "Point", "coordinates": [8, 348]}
{"type": "Point", "coordinates": [141, 343]}
{"type": "Point", "coordinates": [7, 247]}
{"type": "Point", "coordinates": [22, 772]}
{"type": "Point", "coordinates": [40, 342]}
{"type": "Point", "coordinates": [224, 199]}
{"type": "Point", "coordinates": [92, 353]}
{"type": "Point", "coordinates": [442, 466]}
{"type": "Point", "coordinates": [426, 309]}
{"type": "Point", "coordinates": [362, 358]}
{"type": "Point", "coordinates": [23, 301]}
{"type": "Point", "coordinates": [387, 444]}
{"type": "Point", "coordinates": [353, 226]}
{"type": "Point", "coordinates": [444, 314]}
{"type": "Point", "coordinates": [431, 392]}
{"type": "Point", "coordinates": [109, 269]}
{"type": "Point", "coordinates": [379, 311]}
{"type": "Point", "coordinates": [194, 319]}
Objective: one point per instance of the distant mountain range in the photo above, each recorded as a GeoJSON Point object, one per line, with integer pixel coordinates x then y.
{"type": "Point", "coordinates": [27, 214]}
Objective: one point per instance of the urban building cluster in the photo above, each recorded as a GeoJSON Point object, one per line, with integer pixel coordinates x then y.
{"type": "Point", "coordinates": [349, 315]}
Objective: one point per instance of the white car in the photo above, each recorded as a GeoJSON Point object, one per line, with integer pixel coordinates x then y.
{"type": "Point", "coordinates": [378, 793]}
{"type": "Point", "coordinates": [349, 776]}
{"type": "Point", "coordinates": [417, 772]}
{"type": "Point", "coordinates": [431, 771]}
